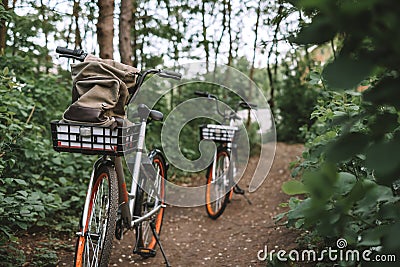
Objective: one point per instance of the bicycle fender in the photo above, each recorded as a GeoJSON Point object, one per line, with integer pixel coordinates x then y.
{"type": "Point", "coordinates": [104, 162]}
{"type": "Point", "coordinates": [156, 151]}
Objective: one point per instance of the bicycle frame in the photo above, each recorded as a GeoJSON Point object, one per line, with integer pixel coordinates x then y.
{"type": "Point", "coordinates": [229, 143]}
{"type": "Point", "coordinates": [126, 199]}
{"type": "Point", "coordinates": [231, 168]}
{"type": "Point", "coordinates": [232, 148]}
{"type": "Point", "coordinates": [129, 204]}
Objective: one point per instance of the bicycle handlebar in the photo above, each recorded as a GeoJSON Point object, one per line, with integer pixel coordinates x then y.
{"type": "Point", "coordinates": [241, 104]}
{"type": "Point", "coordinates": [170, 74]}
{"type": "Point", "coordinates": [233, 115]}
{"type": "Point", "coordinates": [246, 105]}
{"type": "Point", "coordinates": [202, 94]}
{"type": "Point", "coordinates": [205, 94]}
{"type": "Point", "coordinates": [162, 73]}
{"type": "Point", "coordinates": [78, 54]}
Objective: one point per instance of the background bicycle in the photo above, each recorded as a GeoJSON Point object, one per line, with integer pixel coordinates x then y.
{"type": "Point", "coordinates": [109, 208]}
{"type": "Point", "coordinates": [220, 174]}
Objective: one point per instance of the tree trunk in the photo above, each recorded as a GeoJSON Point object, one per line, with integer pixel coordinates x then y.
{"type": "Point", "coordinates": [204, 32]}
{"type": "Point", "coordinates": [135, 36]}
{"type": "Point", "coordinates": [251, 74]}
{"type": "Point", "coordinates": [227, 78]}
{"type": "Point", "coordinates": [105, 28]}
{"type": "Point", "coordinates": [125, 29]}
{"type": "Point", "coordinates": [75, 12]}
{"type": "Point", "coordinates": [272, 76]}
{"type": "Point", "coordinates": [258, 12]}
{"type": "Point", "coordinates": [45, 22]}
{"type": "Point", "coordinates": [3, 30]}
{"type": "Point", "coordinates": [218, 43]}
{"type": "Point", "coordinates": [230, 54]}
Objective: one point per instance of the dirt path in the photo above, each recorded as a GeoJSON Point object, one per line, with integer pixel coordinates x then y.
{"type": "Point", "coordinates": [190, 238]}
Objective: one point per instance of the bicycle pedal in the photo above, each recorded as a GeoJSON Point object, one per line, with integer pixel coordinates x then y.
{"type": "Point", "coordinates": [145, 252]}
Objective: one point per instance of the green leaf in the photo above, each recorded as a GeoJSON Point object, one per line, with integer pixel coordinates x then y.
{"type": "Point", "coordinates": [6, 71]}
{"type": "Point", "coordinates": [345, 182]}
{"type": "Point", "coordinates": [320, 184]}
{"type": "Point", "coordinates": [299, 223]}
{"type": "Point", "coordinates": [347, 146]}
{"type": "Point", "coordinates": [346, 73]}
{"type": "Point", "coordinates": [63, 181]}
{"type": "Point", "coordinates": [385, 92]}
{"type": "Point", "coordinates": [20, 182]}
{"type": "Point", "coordinates": [300, 210]}
{"type": "Point", "coordinates": [384, 158]}
{"type": "Point", "coordinates": [372, 237]}
{"type": "Point", "coordinates": [23, 193]}
{"type": "Point", "coordinates": [318, 32]}
{"type": "Point", "coordinates": [293, 187]}
{"type": "Point", "coordinates": [56, 161]}
{"type": "Point", "coordinates": [384, 123]}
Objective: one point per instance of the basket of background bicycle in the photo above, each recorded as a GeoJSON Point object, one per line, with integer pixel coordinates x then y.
{"type": "Point", "coordinates": [217, 133]}
{"type": "Point", "coordinates": [94, 140]}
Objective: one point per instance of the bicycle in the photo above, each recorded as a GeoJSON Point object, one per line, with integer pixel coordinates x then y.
{"type": "Point", "coordinates": [220, 174]}
{"type": "Point", "coordinates": [109, 209]}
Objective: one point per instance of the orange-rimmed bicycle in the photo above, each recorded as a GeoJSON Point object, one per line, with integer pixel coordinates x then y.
{"type": "Point", "coordinates": [110, 209]}
{"type": "Point", "coordinates": [220, 185]}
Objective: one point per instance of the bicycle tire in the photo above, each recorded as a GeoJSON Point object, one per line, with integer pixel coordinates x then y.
{"type": "Point", "coordinates": [216, 207]}
{"type": "Point", "coordinates": [144, 235]}
{"type": "Point", "coordinates": [94, 247]}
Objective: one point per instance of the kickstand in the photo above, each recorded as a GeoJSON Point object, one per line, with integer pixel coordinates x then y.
{"type": "Point", "coordinates": [153, 229]}
{"type": "Point", "coordinates": [248, 200]}
{"type": "Point", "coordinates": [240, 191]}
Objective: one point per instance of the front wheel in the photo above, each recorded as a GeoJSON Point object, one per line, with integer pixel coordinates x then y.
{"type": "Point", "coordinates": [150, 194]}
{"type": "Point", "coordinates": [217, 188]}
{"type": "Point", "coordinates": [93, 247]}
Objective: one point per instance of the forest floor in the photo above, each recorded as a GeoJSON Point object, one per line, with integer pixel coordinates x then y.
{"type": "Point", "coordinates": [191, 238]}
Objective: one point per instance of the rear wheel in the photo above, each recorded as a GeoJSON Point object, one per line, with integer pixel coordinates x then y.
{"type": "Point", "coordinates": [217, 188]}
{"type": "Point", "coordinates": [94, 247]}
{"type": "Point", "coordinates": [150, 194]}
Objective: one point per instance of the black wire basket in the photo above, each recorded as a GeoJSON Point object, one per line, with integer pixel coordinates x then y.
{"type": "Point", "coordinates": [94, 140]}
{"type": "Point", "coordinates": [218, 133]}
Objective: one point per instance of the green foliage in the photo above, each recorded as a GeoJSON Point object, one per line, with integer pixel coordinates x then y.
{"type": "Point", "coordinates": [39, 187]}
{"type": "Point", "coordinates": [294, 101]}
{"type": "Point", "coordinates": [10, 255]}
{"type": "Point", "coordinates": [352, 158]}
{"type": "Point", "coordinates": [4, 14]}
{"type": "Point", "coordinates": [44, 257]}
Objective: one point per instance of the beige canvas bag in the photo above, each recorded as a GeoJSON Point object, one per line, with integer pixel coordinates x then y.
{"type": "Point", "coordinates": [100, 91]}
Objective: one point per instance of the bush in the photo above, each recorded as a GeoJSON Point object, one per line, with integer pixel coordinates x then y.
{"type": "Point", "coordinates": [295, 99]}
{"type": "Point", "coordinates": [352, 159]}
{"type": "Point", "coordinates": [39, 187]}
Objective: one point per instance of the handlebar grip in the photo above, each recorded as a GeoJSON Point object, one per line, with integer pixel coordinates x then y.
{"type": "Point", "coordinates": [67, 51]}
{"type": "Point", "coordinates": [78, 54]}
{"type": "Point", "coordinates": [170, 74]}
{"type": "Point", "coordinates": [201, 93]}
{"type": "Point", "coordinates": [246, 105]}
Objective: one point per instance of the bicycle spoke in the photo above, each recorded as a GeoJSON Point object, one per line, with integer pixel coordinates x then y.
{"type": "Point", "coordinates": [148, 202]}
{"type": "Point", "coordinates": [99, 231]}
